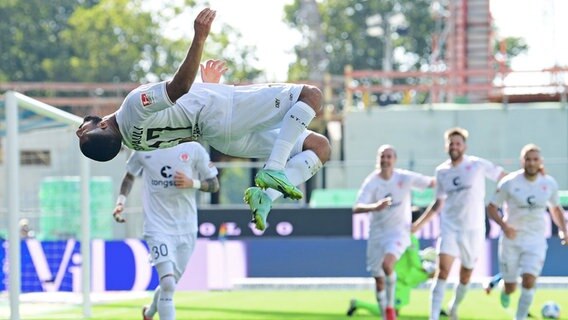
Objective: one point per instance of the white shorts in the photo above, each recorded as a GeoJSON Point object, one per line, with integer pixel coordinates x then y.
{"type": "Point", "coordinates": [255, 120]}
{"type": "Point", "coordinates": [520, 256]}
{"type": "Point", "coordinates": [377, 249]}
{"type": "Point", "coordinates": [177, 249]}
{"type": "Point", "coordinates": [465, 245]}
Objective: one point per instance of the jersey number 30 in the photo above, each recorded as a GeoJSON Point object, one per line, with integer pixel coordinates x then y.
{"type": "Point", "coordinates": [161, 250]}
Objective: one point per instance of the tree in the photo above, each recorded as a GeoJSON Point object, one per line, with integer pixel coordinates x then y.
{"type": "Point", "coordinates": [354, 33]}
{"type": "Point", "coordinates": [104, 41]}
{"type": "Point", "coordinates": [512, 47]}
{"type": "Point", "coordinates": [30, 32]}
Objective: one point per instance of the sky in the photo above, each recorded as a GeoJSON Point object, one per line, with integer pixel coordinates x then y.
{"type": "Point", "coordinates": [542, 23]}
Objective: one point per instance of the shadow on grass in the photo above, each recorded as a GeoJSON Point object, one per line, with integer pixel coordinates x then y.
{"type": "Point", "coordinates": [199, 312]}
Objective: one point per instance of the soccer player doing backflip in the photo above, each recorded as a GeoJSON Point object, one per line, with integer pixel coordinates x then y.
{"type": "Point", "coordinates": [266, 121]}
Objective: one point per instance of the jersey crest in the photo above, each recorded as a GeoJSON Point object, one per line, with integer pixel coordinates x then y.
{"type": "Point", "coordinates": [147, 98]}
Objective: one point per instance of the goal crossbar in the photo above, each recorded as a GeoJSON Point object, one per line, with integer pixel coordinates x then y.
{"type": "Point", "coordinates": [14, 101]}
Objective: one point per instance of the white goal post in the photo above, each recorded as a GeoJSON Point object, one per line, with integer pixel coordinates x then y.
{"type": "Point", "coordinates": [14, 101]}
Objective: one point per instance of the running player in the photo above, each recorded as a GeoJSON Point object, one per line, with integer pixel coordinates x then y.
{"type": "Point", "coordinates": [386, 194]}
{"type": "Point", "coordinates": [171, 178]}
{"type": "Point", "coordinates": [522, 247]}
{"type": "Point", "coordinates": [460, 193]}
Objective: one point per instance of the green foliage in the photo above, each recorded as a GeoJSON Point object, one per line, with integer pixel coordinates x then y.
{"type": "Point", "coordinates": [108, 41]}
{"type": "Point", "coordinates": [104, 41]}
{"type": "Point", "coordinates": [514, 46]}
{"type": "Point", "coordinates": [348, 40]}
{"type": "Point", "coordinates": [227, 45]}
{"type": "Point", "coordinates": [30, 34]}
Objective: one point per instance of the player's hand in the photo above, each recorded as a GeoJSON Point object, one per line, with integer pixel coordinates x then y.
{"type": "Point", "coordinates": [181, 181]}
{"type": "Point", "coordinates": [510, 232]}
{"type": "Point", "coordinates": [213, 70]}
{"type": "Point", "coordinates": [562, 236]}
{"type": "Point", "coordinates": [117, 213]}
{"type": "Point", "coordinates": [414, 228]}
{"type": "Point", "coordinates": [202, 24]}
{"type": "Point", "coordinates": [384, 203]}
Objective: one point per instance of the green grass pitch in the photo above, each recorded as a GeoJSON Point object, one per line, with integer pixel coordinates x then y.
{"type": "Point", "coordinates": [304, 304]}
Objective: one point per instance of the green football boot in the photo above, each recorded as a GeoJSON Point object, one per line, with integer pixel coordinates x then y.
{"type": "Point", "coordinates": [260, 205]}
{"type": "Point", "coordinates": [277, 180]}
{"type": "Point", "coordinates": [505, 299]}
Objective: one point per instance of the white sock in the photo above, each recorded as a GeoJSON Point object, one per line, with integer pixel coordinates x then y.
{"type": "Point", "coordinates": [390, 282]}
{"type": "Point", "coordinates": [153, 308]}
{"type": "Point", "coordinates": [382, 301]}
{"type": "Point", "coordinates": [525, 301]}
{"type": "Point", "coordinates": [166, 307]}
{"type": "Point", "coordinates": [294, 123]}
{"type": "Point", "coordinates": [165, 303]}
{"type": "Point", "coordinates": [299, 169]}
{"type": "Point", "coordinates": [461, 290]}
{"type": "Point", "coordinates": [436, 298]}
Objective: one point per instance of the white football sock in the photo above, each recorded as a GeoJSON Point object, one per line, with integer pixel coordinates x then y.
{"type": "Point", "coordinates": [436, 298]}
{"type": "Point", "coordinates": [165, 304]}
{"type": "Point", "coordinates": [461, 290]}
{"type": "Point", "coordinates": [525, 301]}
{"type": "Point", "coordinates": [390, 282]}
{"type": "Point", "coordinates": [382, 301]}
{"type": "Point", "coordinates": [153, 308]}
{"type": "Point", "coordinates": [166, 307]}
{"type": "Point", "coordinates": [294, 123]}
{"type": "Point", "coordinates": [299, 169]}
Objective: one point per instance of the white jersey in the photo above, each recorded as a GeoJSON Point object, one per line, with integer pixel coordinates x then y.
{"type": "Point", "coordinates": [398, 217]}
{"type": "Point", "coordinates": [242, 121]}
{"type": "Point", "coordinates": [148, 120]}
{"type": "Point", "coordinates": [463, 189]}
{"type": "Point", "coordinates": [526, 202]}
{"type": "Point", "coordinates": [167, 209]}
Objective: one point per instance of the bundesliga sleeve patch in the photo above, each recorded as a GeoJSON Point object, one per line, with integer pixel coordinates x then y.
{"type": "Point", "coordinates": [147, 98]}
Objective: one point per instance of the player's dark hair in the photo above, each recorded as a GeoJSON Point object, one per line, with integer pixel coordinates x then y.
{"type": "Point", "coordinates": [101, 145]}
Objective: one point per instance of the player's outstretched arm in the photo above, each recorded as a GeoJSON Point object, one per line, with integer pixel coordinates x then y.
{"type": "Point", "coordinates": [185, 75]}
{"type": "Point", "coordinates": [428, 214]}
{"type": "Point", "coordinates": [125, 188]}
{"type": "Point", "coordinates": [376, 206]}
{"type": "Point", "coordinates": [557, 214]}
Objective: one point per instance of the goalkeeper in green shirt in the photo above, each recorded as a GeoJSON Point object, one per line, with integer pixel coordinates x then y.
{"type": "Point", "coordinates": [413, 268]}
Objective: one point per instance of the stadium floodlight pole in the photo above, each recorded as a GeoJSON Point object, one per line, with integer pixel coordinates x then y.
{"type": "Point", "coordinates": [13, 101]}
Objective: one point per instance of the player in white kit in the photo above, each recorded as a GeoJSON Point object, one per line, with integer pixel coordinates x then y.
{"type": "Point", "coordinates": [460, 193]}
{"type": "Point", "coordinates": [171, 178]}
{"type": "Point", "coordinates": [386, 195]}
{"type": "Point", "coordinates": [258, 121]}
{"type": "Point", "coordinates": [525, 195]}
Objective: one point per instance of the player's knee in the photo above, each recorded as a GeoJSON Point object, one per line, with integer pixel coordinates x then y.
{"type": "Point", "coordinates": [168, 283]}
{"type": "Point", "coordinates": [320, 145]}
{"type": "Point", "coordinates": [443, 273]}
{"type": "Point", "coordinates": [510, 287]}
{"type": "Point", "coordinates": [313, 97]}
{"type": "Point", "coordinates": [379, 283]}
{"type": "Point", "coordinates": [465, 275]}
{"type": "Point", "coordinates": [388, 268]}
{"type": "Point", "coordinates": [528, 281]}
